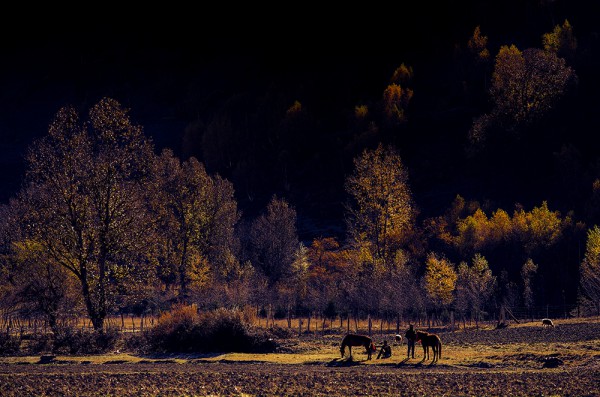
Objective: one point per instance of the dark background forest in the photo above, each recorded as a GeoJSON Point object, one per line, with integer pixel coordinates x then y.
{"type": "Point", "coordinates": [220, 85]}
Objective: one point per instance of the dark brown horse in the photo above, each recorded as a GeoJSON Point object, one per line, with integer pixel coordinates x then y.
{"type": "Point", "coordinates": [357, 340]}
{"type": "Point", "coordinates": [428, 340]}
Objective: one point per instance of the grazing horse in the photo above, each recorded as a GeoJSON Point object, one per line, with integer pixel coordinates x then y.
{"type": "Point", "coordinates": [432, 340]}
{"type": "Point", "coordinates": [357, 340]}
{"type": "Point", "coordinates": [546, 322]}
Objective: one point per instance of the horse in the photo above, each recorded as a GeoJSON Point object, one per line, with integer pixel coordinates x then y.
{"type": "Point", "coordinates": [546, 322]}
{"type": "Point", "coordinates": [358, 340]}
{"type": "Point", "coordinates": [432, 340]}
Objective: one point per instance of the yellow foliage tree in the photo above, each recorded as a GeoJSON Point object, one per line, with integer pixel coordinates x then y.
{"type": "Point", "coordinates": [500, 226]}
{"type": "Point", "coordinates": [361, 112]}
{"type": "Point", "coordinates": [473, 232]}
{"type": "Point", "coordinates": [440, 280]}
{"type": "Point", "coordinates": [398, 94]}
{"type": "Point", "coordinates": [538, 228]}
{"type": "Point", "coordinates": [590, 268]}
{"type": "Point", "coordinates": [561, 41]}
{"type": "Point", "coordinates": [382, 213]}
{"type": "Point", "coordinates": [402, 75]}
{"type": "Point", "coordinates": [478, 46]}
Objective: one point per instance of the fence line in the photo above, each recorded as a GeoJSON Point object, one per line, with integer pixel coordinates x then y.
{"type": "Point", "coordinates": [11, 322]}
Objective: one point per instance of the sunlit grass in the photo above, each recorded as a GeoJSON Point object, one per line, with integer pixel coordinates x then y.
{"type": "Point", "coordinates": [496, 355]}
{"type": "Point", "coordinates": [311, 349]}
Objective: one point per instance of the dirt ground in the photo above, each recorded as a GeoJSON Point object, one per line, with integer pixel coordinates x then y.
{"type": "Point", "coordinates": [522, 360]}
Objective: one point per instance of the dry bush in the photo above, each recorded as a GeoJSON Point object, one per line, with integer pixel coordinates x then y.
{"type": "Point", "coordinates": [221, 330]}
{"type": "Point", "coordinates": [9, 344]}
{"type": "Point", "coordinates": [71, 340]}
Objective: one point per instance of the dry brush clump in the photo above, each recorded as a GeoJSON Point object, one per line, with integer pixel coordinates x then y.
{"type": "Point", "coordinates": [65, 340]}
{"type": "Point", "coordinates": [183, 329]}
{"type": "Point", "coordinates": [9, 344]}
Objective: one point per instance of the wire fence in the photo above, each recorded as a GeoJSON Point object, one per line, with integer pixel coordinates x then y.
{"type": "Point", "coordinates": [13, 323]}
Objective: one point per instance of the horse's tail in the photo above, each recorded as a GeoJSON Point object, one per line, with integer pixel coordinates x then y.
{"type": "Point", "coordinates": [440, 348]}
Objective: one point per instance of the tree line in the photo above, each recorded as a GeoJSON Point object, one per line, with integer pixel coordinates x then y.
{"type": "Point", "coordinates": [103, 224]}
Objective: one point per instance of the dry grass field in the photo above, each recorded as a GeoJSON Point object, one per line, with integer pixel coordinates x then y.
{"type": "Point", "coordinates": [521, 360]}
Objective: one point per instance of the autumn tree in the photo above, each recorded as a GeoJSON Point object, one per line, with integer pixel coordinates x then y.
{"type": "Point", "coordinates": [461, 291]}
{"type": "Point", "coordinates": [397, 95]}
{"type": "Point", "coordinates": [198, 214]}
{"type": "Point", "coordinates": [325, 268]}
{"type": "Point", "coordinates": [86, 198]}
{"type": "Point", "coordinates": [294, 289]}
{"type": "Point", "coordinates": [539, 228]}
{"type": "Point", "coordinates": [479, 59]}
{"type": "Point", "coordinates": [32, 285]}
{"type": "Point", "coordinates": [481, 284]}
{"type": "Point", "coordinates": [334, 276]}
{"type": "Point", "coordinates": [561, 41]}
{"type": "Point", "coordinates": [402, 75]}
{"type": "Point", "coordinates": [589, 272]}
{"type": "Point", "coordinates": [400, 289]}
{"type": "Point", "coordinates": [274, 240]}
{"type": "Point", "coordinates": [381, 212]}
{"type": "Point", "coordinates": [477, 45]}
{"type": "Point", "coordinates": [473, 232]}
{"type": "Point", "coordinates": [439, 280]}
{"type": "Point", "coordinates": [526, 85]}
{"type": "Point", "coordinates": [359, 284]}
{"type": "Point", "coordinates": [527, 272]}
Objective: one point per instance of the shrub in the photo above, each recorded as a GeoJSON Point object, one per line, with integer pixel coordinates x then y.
{"type": "Point", "coordinates": [221, 330]}
{"type": "Point", "coordinates": [282, 333]}
{"type": "Point", "coordinates": [70, 340]}
{"type": "Point", "coordinates": [9, 344]}
{"type": "Point", "coordinates": [136, 342]}
{"type": "Point", "coordinates": [175, 330]}
{"type": "Point", "coordinates": [39, 343]}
